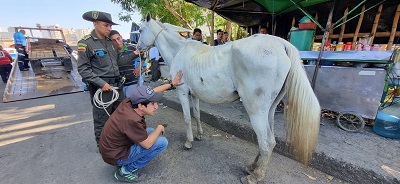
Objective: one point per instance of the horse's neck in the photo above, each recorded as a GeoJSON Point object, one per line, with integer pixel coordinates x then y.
{"type": "Point", "coordinates": [168, 45]}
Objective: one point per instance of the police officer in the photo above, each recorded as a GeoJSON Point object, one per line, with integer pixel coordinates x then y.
{"type": "Point", "coordinates": [97, 64]}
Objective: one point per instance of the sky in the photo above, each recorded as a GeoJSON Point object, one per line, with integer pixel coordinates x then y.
{"type": "Point", "coordinates": [67, 14]}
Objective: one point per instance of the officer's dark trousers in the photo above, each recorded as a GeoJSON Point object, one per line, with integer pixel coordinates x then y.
{"type": "Point", "coordinates": [99, 114]}
{"type": "Point", "coordinates": [155, 70]}
{"type": "Point", "coordinates": [22, 56]}
{"type": "Point", "coordinates": [5, 71]}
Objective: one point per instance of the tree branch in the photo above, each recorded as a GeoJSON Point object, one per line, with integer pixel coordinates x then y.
{"type": "Point", "coordinates": [177, 15]}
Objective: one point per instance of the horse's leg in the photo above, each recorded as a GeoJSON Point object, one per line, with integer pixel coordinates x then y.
{"type": "Point", "coordinates": [271, 121]}
{"type": "Point", "coordinates": [196, 114]}
{"type": "Point", "coordinates": [266, 143]}
{"type": "Point", "coordinates": [184, 99]}
{"type": "Point", "coordinates": [271, 114]}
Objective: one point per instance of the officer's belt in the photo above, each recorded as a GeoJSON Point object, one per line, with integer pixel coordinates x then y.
{"type": "Point", "coordinates": [130, 83]}
{"type": "Point", "coordinates": [111, 80]}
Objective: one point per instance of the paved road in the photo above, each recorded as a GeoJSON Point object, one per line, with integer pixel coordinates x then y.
{"type": "Point", "coordinates": [50, 140]}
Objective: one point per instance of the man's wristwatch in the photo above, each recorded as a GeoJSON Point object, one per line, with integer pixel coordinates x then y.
{"type": "Point", "coordinates": [172, 86]}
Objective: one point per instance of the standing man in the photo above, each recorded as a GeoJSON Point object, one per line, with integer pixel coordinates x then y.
{"type": "Point", "coordinates": [197, 35]}
{"type": "Point", "coordinates": [5, 64]}
{"type": "Point", "coordinates": [154, 56]}
{"type": "Point", "coordinates": [226, 37]}
{"type": "Point", "coordinates": [126, 61]}
{"type": "Point", "coordinates": [97, 64]}
{"type": "Point", "coordinates": [20, 46]}
{"type": "Point", "coordinates": [219, 40]}
{"type": "Point", "coordinates": [263, 30]}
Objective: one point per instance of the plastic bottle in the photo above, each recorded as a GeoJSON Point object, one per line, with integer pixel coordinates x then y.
{"type": "Point", "coordinates": [367, 47]}
{"type": "Point", "coordinates": [327, 46]}
{"type": "Point", "coordinates": [333, 47]}
{"type": "Point", "coordinates": [339, 46]}
{"type": "Point", "coordinates": [348, 46]}
{"type": "Point", "coordinates": [376, 47]}
{"type": "Point", "coordinates": [359, 46]}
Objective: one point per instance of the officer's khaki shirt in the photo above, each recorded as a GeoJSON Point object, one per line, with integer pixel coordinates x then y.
{"type": "Point", "coordinates": [97, 58]}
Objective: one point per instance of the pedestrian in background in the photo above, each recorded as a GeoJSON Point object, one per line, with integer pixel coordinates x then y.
{"type": "Point", "coordinates": [226, 37]}
{"type": "Point", "coordinates": [197, 35]}
{"type": "Point", "coordinates": [20, 45]}
{"type": "Point", "coordinates": [154, 56]}
{"type": "Point", "coordinates": [97, 64]}
{"type": "Point", "coordinates": [5, 64]}
{"type": "Point", "coordinates": [219, 40]}
{"type": "Point", "coordinates": [263, 30]}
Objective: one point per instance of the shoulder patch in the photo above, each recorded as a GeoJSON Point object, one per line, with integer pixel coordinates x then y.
{"type": "Point", "coordinates": [82, 44]}
{"type": "Point", "coordinates": [81, 47]}
{"type": "Point", "coordinates": [86, 37]}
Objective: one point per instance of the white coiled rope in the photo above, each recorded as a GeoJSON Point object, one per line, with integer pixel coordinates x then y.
{"type": "Point", "coordinates": [98, 99]}
{"type": "Point", "coordinates": [98, 96]}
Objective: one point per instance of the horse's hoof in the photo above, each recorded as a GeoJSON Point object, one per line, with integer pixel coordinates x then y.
{"type": "Point", "coordinates": [247, 180]}
{"type": "Point", "coordinates": [198, 138]}
{"type": "Point", "coordinates": [249, 169]}
{"type": "Point", "coordinates": [188, 145]}
{"type": "Point", "coordinates": [243, 180]}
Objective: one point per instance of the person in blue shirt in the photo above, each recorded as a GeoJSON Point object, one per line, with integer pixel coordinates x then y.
{"type": "Point", "coordinates": [143, 69]}
{"type": "Point", "coordinates": [20, 46]}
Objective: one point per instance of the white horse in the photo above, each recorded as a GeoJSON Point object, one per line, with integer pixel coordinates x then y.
{"type": "Point", "coordinates": [259, 69]}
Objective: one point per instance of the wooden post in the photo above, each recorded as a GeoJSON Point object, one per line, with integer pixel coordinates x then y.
{"type": "Point", "coordinates": [343, 25]}
{"type": "Point", "coordinates": [212, 28]}
{"type": "Point", "coordinates": [313, 38]}
{"type": "Point", "coordinates": [358, 27]}
{"type": "Point", "coordinates": [328, 38]}
{"type": "Point", "coordinates": [376, 22]}
{"type": "Point", "coordinates": [394, 27]}
{"type": "Point", "coordinates": [293, 21]}
{"type": "Point", "coordinates": [274, 28]}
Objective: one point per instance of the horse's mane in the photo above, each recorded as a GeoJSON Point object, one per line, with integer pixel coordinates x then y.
{"type": "Point", "coordinates": [172, 29]}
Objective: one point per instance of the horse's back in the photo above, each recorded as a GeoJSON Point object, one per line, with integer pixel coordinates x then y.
{"type": "Point", "coordinates": [216, 74]}
{"type": "Point", "coordinates": [260, 60]}
{"type": "Point", "coordinates": [207, 72]}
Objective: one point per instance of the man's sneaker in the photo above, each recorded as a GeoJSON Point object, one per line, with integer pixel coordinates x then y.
{"type": "Point", "coordinates": [133, 176]}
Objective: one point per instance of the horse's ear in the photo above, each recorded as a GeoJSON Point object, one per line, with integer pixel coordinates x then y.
{"type": "Point", "coordinates": [159, 19]}
{"type": "Point", "coordinates": [148, 17]}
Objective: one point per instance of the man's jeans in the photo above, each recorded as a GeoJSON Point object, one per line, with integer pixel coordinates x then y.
{"type": "Point", "coordinates": [140, 157]}
{"type": "Point", "coordinates": [128, 89]}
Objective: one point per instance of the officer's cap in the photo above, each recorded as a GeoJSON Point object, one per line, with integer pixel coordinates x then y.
{"type": "Point", "coordinates": [98, 16]}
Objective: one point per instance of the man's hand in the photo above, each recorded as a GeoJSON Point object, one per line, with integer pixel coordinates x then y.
{"type": "Point", "coordinates": [162, 127]}
{"type": "Point", "coordinates": [136, 71]}
{"type": "Point", "coordinates": [106, 87]}
{"type": "Point", "coordinates": [137, 52]}
{"type": "Point", "coordinates": [177, 79]}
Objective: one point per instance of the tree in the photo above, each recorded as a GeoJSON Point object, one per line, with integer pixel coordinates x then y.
{"type": "Point", "coordinates": [176, 12]}
{"type": "Point", "coordinates": [180, 13]}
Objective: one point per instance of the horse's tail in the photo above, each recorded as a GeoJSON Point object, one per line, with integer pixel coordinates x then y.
{"type": "Point", "coordinates": [303, 110]}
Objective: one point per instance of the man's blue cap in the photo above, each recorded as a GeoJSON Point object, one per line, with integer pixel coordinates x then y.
{"type": "Point", "coordinates": [143, 94]}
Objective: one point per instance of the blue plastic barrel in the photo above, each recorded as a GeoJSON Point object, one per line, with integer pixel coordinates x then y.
{"type": "Point", "coordinates": [387, 124]}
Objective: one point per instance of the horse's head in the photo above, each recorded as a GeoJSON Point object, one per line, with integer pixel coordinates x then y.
{"type": "Point", "coordinates": [148, 33]}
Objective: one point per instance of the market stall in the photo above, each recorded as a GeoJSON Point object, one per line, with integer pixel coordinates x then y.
{"type": "Point", "coordinates": [353, 54]}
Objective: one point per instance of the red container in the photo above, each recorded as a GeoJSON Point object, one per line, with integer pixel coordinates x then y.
{"type": "Point", "coordinates": [307, 25]}
{"type": "Point", "coordinates": [348, 46]}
